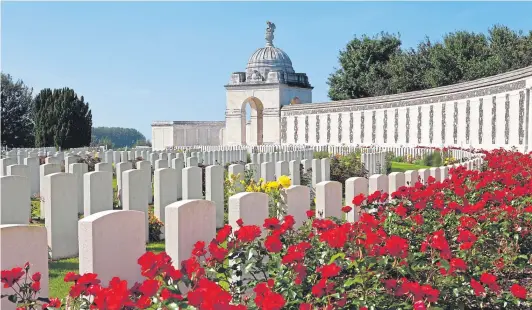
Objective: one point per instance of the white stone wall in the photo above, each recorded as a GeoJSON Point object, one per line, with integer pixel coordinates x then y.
{"type": "Point", "coordinates": [457, 115]}
{"type": "Point", "coordinates": [183, 133]}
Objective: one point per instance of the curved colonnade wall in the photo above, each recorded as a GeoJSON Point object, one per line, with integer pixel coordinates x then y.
{"type": "Point", "coordinates": [486, 113]}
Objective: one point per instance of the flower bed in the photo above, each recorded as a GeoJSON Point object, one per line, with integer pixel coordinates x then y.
{"type": "Point", "coordinates": [464, 243]}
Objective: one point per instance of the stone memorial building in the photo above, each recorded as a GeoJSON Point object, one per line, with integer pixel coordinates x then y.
{"type": "Point", "coordinates": [486, 113]}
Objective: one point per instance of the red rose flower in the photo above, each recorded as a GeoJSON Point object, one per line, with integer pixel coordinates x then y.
{"type": "Point", "coordinates": [518, 291]}
{"type": "Point", "coordinates": [149, 287]}
{"type": "Point", "coordinates": [273, 244]}
{"type": "Point", "coordinates": [223, 233]}
{"type": "Point", "coordinates": [199, 249]}
{"type": "Point", "coordinates": [346, 209]}
{"type": "Point", "coordinates": [358, 200]}
{"type": "Point", "coordinates": [10, 277]}
{"type": "Point", "coordinates": [36, 277]}
{"type": "Point", "coordinates": [36, 286]}
{"type": "Point", "coordinates": [272, 223]}
{"type": "Point", "coordinates": [477, 287]}
{"type": "Point", "coordinates": [248, 233]}
{"type": "Point", "coordinates": [329, 271]}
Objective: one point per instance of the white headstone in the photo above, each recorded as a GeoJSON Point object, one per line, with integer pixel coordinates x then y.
{"type": "Point", "coordinates": [79, 170]}
{"type": "Point", "coordinates": [189, 221]}
{"type": "Point", "coordinates": [99, 236]}
{"type": "Point", "coordinates": [61, 196]}
{"type": "Point", "coordinates": [329, 199]}
{"type": "Point", "coordinates": [192, 185]}
{"type": "Point", "coordinates": [354, 187]}
{"type": "Point", "coordinates": [214, 191]}
{"type": "Point", "coordinates": [97, 192]}
{"type": "Point", "coordinates": [20, 244]}
{"type": "Point", "coordinates": [15, 204]}
{"type": "Point", "coordinates": [133, 195]}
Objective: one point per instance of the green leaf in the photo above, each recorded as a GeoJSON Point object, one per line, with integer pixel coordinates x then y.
{"type": "Point", "coordinates": [12, 298]}
{"type": "Point", "coordinates": [445, 264]}
{"type": "Point", "coordinates": [335, 257]}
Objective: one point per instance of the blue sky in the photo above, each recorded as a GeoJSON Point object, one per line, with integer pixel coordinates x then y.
{"type": "Point", "coordinates": [137, 62]}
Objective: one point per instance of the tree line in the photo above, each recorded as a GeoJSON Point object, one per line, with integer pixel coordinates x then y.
{"type": "Point", "coordinates": [57, 117]}
{"type": "Point", "coordinates": [376, 66]}
{"type": "Point", "coordinates": [118, 137]}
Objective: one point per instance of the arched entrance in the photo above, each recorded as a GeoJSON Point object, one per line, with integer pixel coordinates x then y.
{"type": "Point", "coordinates": [255, 136]}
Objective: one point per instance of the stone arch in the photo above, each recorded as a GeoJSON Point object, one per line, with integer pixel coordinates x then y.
{"type": "Point", "coordinates": [256, 122]}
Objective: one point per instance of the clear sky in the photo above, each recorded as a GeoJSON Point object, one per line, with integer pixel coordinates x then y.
{"type": "Point", "coordinates": [137, 62]}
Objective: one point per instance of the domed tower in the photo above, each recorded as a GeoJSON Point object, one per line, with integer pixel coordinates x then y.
{"type": "Point", "coordinates": [268, 83]}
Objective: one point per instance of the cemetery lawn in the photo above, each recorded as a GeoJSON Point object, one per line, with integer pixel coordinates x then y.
{"type": "Point", "coordinates": [402, 167]}
{"type": "Point", "coordinates": [58, 270]}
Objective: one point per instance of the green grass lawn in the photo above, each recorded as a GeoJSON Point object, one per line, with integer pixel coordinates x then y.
{"type": "Point", "coordinates": [58, 269]}
{"type": "Point", "coordinates": [402, 167]}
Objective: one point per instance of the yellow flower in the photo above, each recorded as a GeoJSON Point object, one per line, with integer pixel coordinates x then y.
{"type": "Point", "coordinates": [272, 185]}
{"type": "Point", "coordinates": [284, 181]}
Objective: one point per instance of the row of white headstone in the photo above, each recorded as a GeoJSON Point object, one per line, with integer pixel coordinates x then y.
{"type": "Point", "coordinates": [109, 242]}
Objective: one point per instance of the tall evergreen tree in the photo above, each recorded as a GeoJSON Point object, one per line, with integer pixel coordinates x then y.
{"type": "Point", "coordinates": [62, 119]}
{"type": "Point", "coordinates": [17, 125]}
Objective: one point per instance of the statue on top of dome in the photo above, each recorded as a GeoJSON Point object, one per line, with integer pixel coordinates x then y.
{"type": "Point", "coordinates": [269, 33]}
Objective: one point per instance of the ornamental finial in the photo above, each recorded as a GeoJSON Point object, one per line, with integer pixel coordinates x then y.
{"type": "Point", "coordinates": [269, 33]}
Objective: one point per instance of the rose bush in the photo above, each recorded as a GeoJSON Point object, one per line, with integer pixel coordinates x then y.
{"type": "Point", "coordinates": [463, 243]}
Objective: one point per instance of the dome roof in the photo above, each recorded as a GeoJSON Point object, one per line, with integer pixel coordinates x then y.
{"type": "Point", "coordinates": [270, 58]}
{"type": "Point", "coordinates": [267, 59]}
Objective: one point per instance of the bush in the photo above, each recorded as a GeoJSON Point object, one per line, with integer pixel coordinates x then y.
{"type": "Point", "coordinates": [433, 159]}
{"type": "Point", "coordinates": [155, 227]}
{"type": "Point", "coordinates": [90, 161]}
{"type": "Point", "coordinates": [347, 166]}
{"type": "Point", "coordinates": [321, 155]}
{"type": "Point", "coordinates": [459, 244]}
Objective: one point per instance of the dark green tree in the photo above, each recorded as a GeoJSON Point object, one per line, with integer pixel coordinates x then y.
{"type": "Point", "coordinates": [378, 66]}
{"type": "Point", "coordinates": [62, 119]}
{"type": "Point", "coordinates": [17, 125]}
{"type": "Point", "coordinates": [363, 67]}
